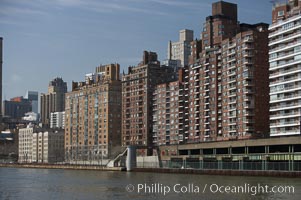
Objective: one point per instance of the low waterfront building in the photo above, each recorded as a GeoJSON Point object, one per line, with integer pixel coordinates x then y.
{"type": "Point", "coordinates": [25, 144]}
{"type": "Point", "coordinates": [48, 146]}
{"type": "Point", "coordinates": [40, 145]}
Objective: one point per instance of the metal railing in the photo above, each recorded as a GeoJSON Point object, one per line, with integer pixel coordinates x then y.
{"type": "Point", "coordinates": [226, 165]}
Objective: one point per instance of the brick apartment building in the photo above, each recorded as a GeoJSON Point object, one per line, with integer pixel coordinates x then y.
{"type": "Point", "coordinates": [137, 100]}
{"type": "Point", "coordinates": [93, 115]}
{"type": "Point", "coordinates": [228, 83]}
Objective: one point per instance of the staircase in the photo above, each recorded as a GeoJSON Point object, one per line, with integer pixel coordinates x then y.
{"type": "Point", "coordinates": [114, 162]}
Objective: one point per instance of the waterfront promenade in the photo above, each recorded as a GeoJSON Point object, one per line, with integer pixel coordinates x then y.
{"type": "Point", "coordinates": [164, 169]}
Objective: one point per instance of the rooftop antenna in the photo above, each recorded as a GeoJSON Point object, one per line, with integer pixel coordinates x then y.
{"type": "Point", "coordinates": [277, 2]}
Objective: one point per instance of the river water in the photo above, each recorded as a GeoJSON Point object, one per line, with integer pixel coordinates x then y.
{"type": "Point", "coordinates": [53, 184]}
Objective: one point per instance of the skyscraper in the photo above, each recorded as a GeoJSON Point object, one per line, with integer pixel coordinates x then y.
{"type": "Point", "coordinates": [16, 107]}
{"type": "Point", "coordinates": [181, 50]}
{"type": "Point", "coordinates": [54, 100]}
{"type": "Point", "coordinates": [1, 61]}
{"type": "Point", "coordinates": [285, 69]}
{"type": "Point", "coordinates": [33, 97]}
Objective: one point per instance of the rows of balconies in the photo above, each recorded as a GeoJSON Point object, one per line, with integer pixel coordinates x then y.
{"type": "Point", "coordinates": [284, 47]}
{"type": "Point", "coordinates": [281, 30]}
{"type": "Point", "coordinates": [279, 115]}
{"type": "Point", "coordinates": [291, 87]}
{"type": "Point", "coordinates": [285, 38]}
{"type": "Point", "coordinates": [285, 105]}
{"type": "Point", "coordinates": [282, 71]}
{"type": "Point", "coordinates": [277, 123]}
{"type": "Point", "coordinates": [280, 97]}
{"type": "Point", "coordinates": [284, 55]}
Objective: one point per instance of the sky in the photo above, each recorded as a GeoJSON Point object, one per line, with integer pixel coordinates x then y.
{"type": "Point", "coordinates": [45, 39]}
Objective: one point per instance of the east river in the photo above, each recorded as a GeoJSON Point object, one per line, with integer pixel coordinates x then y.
{"type": "Point", "coordinates": [53, 184]}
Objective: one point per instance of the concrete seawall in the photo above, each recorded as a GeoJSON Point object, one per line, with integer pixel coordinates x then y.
{"type": "Point", "coordinates": [222, 172]}
{"type": "Point", "coordinates": [274, 173]}
{"type": "Point", "coordinates": [73, 167]}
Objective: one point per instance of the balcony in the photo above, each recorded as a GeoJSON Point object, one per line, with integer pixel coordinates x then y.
{"type": "Point", "coordinates": [286, 106]}
{"type": "Point", "coordinates": [281, 22]}
{"type": "Point", "coordinates": [285, 47]}
{"type": "Point", "coordinates": [248, 39]}
{"type": "Point", "coordinates": [282, 72]}
{"type": "Point", "coordinates": [281, 31]}
{"type": "Point", "coordinates": [285, 124]}
{"type": "Point", "coordinates": [249, 91]}
{"type": "Point", "coordinates": [283, 56]}
{"type": "Point", "coordinates": [285, 115]}
{"type": "Point", "coordinates": [248, 55]}
{"type": "Point", "coordinates": [286, 38]}
{"type": "Point", "coordinates": [232, 45]}
{"type": "Point", "coordinates": [247, 47]}
{"type": "Point", "coordinates": [286, 89]}
{"type": "Point", "coordinates": [286, 97]}
{"type": "Point", "coordinates": [248, 83]}
{"type": "Point", "coordinates": [249, 113]}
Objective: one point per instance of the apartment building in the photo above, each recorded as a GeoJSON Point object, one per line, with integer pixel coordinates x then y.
{"type": "Point", "coordinates": [137, 101]}
{"type": "Point", "coordinates": [170, 112]}
{"type": "Point", "coordinates": [228, 93]}
{"type": "Point", "coordinates": [93, 116]}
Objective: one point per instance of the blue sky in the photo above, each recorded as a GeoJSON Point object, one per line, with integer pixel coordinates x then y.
{"type": "Point", "coordinates": [68, 38]}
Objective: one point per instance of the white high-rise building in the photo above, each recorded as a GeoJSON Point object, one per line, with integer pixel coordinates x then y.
{"type": "Point", "coordinates": [181, 50]}
{"type": "Point", "coordinates": [285, 69]}
{"type": "Point", "coordinates": [57, 120]}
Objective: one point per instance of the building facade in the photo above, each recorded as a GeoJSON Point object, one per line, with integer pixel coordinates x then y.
{"type": "Point", "coordinates": [48, 147]}
{"type": "Point", "coordinates": [285, 69]}
{"type": "Point", "coordinates": [181, 50]}
{"type": "Point", "coordinates": [1, 62]}
{"type": "Point", "coordinates": [93, 116]}
{"type": "Point", "coordinates": [170, 112]}
{"type": "Point", "coordinates": [137, 100]}
{"type": "Point", "coordinates": [16, 107]}
{"type": "Point", "coordinates": [33, 97]}
{"type": "Point", "coordinates": [25, 144]}
{"type": "Point", "coordinates": [57, 120]}
{"type": "Point", "coordinates": [53, 101]}
{"type": "Point", "coordinates": [38, 145]}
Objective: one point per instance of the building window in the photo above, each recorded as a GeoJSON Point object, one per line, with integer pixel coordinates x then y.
{"type": "Point", "coordinates": [280, 13]}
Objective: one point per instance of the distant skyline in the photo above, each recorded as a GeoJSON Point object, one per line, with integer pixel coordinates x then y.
{"type": "Point", "coordinates": [69, 38]}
